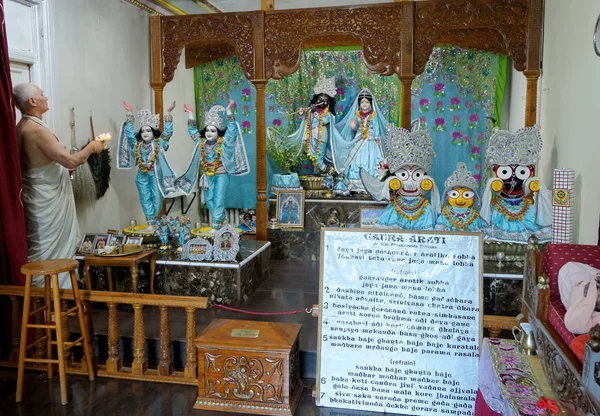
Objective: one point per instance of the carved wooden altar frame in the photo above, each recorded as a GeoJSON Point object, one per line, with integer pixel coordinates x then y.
{"type": "Point", "coordinates": [397, 39]}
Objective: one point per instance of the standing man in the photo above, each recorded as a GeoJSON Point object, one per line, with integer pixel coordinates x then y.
{"type": "Point", "coordinates": [50, 219]}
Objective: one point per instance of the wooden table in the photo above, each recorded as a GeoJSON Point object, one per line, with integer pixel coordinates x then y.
{"type": "Point", "coordinates": [130, 261]}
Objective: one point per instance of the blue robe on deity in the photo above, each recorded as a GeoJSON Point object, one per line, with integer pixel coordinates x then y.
{"type": "Point", "coordinates": [155, 178]}
{"type": "Point", "coordinates": [361, 147]}
{"type": "Point", "coordinates": [414, 213]}
{"type": "Point", "coordinates": [217, 159]}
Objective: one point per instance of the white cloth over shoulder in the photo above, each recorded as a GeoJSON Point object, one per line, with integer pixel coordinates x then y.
{"type": "Point", "coordinates": [577, 287]}
{"type": "Point", "coordinates": [50, 218]}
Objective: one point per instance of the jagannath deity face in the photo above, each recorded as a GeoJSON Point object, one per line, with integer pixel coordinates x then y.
{"type": "Point", "coordinates": [365, 105]}
{"type": "Point", "coordinates": [146, 134]}
{"type": "Point", "coordinates": [410, 181]}
{"type": "Point", "coordinates": [511, 179]}
{"type": "Point", "coordinates": [461, 197]}
{"type": "Point", "coordinates": [211, 133]}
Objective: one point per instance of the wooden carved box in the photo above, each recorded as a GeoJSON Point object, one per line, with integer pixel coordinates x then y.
{"type": "Point", "coordinates": [249, 367]}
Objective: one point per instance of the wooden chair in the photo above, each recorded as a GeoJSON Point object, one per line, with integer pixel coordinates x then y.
{"type": "Point", "coordinates": [50, 269]}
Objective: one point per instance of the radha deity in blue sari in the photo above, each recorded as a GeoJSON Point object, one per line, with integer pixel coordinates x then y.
{"type": "Point", "coordinates": [403, 180]}
{"type": "Point", "coordinates": [219, 152]}
{"type": "Point", "coordinates": [363, 131]}
{"type": "Point", "coordinates": [145, 149]}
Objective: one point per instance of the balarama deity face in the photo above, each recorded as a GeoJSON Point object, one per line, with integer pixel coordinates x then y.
{"type": "Point", "coordinates": [413, 181]}
{"type": "Point", "coordinates": [211, 133]}
{"type": "Point", "coordinates": [365, 105]}
{"type": "Point", "coordinates": [513, 177]}
{"type": "Point", "coordinates": [461, 197]}
{"type": "Point", "coordinates": [146, 134]}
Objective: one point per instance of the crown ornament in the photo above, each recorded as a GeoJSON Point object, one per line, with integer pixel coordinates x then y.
{"type": "Point", "coordinates": [408, 148]}
{"type": "Point", "coordinates": [146, 118]}
{"type": "Point", "coordinates": [461, 177]}
{"type": "Point", "coordinates": [325, 86]}
{"type": "Point", "coordinates": [520, 148]}
{"type": "Point", "coordinates": [213, 118]}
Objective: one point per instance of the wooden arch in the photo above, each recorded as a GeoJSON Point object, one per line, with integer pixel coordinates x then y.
{"type": "Point", "coordinates": [397, 38]}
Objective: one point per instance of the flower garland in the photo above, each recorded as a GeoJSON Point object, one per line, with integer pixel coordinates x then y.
{"type": "Point", "coordinates": [458, 220]}
{"type": "Point", "coordinates": [364, 128]}
{"type": "Point", "coordinates": [148, 166]}
{"type": "Point", "coordinates": [314, 158]}
{"type": "Point", "coordinates": [210, 168]}
{"type": "Point", "coordinates": [511, 216]}
{"type": "Point", "coordinates": [417, 209]}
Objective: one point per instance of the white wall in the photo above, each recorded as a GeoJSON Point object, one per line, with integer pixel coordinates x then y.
{"type": "Point", "coordinates": [102, 57]}
{"type": "Point", "coordinates": [570, 115]}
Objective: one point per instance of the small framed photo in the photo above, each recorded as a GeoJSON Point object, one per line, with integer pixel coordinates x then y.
{"type": "Point", "coordinates": [227, 244]}
{"type": "Point", "coordinates": [290, 209]}
{"type": "Point", "coordinates": [370, 215]}
{"type": "Point", "coordinates": [101, 242]}
{"type": "Point", "coordinates": [135, 240]}
{"type": "Point", "coordinates": [87, 244]}
{"type": "Point", "coordinates": [116, 240]}
{"type": "Point", "coordinates": [197, 249]}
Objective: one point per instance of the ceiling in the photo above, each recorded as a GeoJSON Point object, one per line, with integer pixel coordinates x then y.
{"type": "Point", "coordinates": [179, 7]}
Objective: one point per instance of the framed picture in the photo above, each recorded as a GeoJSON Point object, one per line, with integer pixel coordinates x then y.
{"type": "Point", "coordinates": [370, 215]}
{"type": "Point", "coordinates": [290, 209]}
{"type": "Point", "coordinates": [227, 244]}
{"type": "Point", "coordinates": [87, 244]}
{"type": "Point", "coordinates": [116, 240]}
{"type": "Point", "coordinates": [197, 249]}
{"type": "Point", "coordinates": [100, 242]}
{"type": "Point", "coordinates": [111, 231]}
{"type": "Point", "coordinates": [135, 240]}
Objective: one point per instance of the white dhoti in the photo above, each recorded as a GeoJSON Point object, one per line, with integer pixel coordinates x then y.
{"type": "Point", "coordinates": [50, 218]}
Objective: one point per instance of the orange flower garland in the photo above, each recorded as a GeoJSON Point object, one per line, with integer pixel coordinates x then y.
{"type": "Point", "coordinates": [314, 158]}
{"type": "Point", "coordinates": [138, 157]}
{"type": "Point", "coordinates": [364, 129]}
{"type": "Point", "coordinates": [418, 209]}
{"type": "Point", "coordinates": [463, 225]}
{"type": "Point", "coordinates": [510, 215]}
{"type": "Point", "coordinates": [210, 168]}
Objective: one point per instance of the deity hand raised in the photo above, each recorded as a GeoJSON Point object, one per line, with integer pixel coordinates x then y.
{"type": "Point", "coordinates": [171, 107]}
{"type": "Point", "coordinates": [230, 103]}
{"type": "Point", "coordinates": [353, 124]}
{"type": "Point", "coordinates": [127, 106]}
{"type": "Point", "coordinates": [188, 109]}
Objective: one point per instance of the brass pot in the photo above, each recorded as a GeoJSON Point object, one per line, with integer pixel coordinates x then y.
{"type": "Point", "coordinates": [311, 183]}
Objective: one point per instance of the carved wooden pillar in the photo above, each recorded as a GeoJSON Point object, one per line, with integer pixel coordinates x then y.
{"type": "Point", "coordinates": [13, 356]}
{"type": "Point", "coordinates": [191, 365]}
{"type": "Point", "coordinates": [86, 304]}
{"type": "Point", "coordinates": [156, 62]}
{"type": "Point", "coordinates": [165, 367]}
{"type": "Point", "coordinates": [531, 97]}
{"type": "Point", "coordinates": [66, 331]}
{"type": "Point", "coordinates": [406, 75]}
{"type": "Point", "coordinates": [115, 361]}
{"type": "Point", "coordinates": [534, 47]}
{"type": "Point", "coordinates": [42, 348]}
{"type": "Point", "coordinates": [267, 5]}
{"type": "Point", "coordinates": [405, 114]}
{"type": "Point", "coordinates": [139, 364]}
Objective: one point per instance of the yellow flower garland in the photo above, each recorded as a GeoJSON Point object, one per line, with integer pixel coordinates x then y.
{"type": "Point", "coordinates": [314, 158]}
{"type": "Point", "coordinates": [364, 129]}
{"type": "Point", "coordinates": [510, 215]}
{"type": "Point", "coordinates": [210, 168]}
{"type": "Point", "coordinates": [138, 157]}
{"type": "Point", "coordinates": [418, 209]}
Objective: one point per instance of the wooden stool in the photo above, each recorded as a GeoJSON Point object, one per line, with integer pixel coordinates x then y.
{"type": "Point", "coordinates": [51, 268]}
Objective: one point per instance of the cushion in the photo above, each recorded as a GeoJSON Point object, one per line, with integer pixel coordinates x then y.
{"type": "Point", "coordinates": [556, 315]}
{"type": "Point", "coordinates": [556, 255]}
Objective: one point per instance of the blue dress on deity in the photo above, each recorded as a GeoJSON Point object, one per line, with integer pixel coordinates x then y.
{"type": "Point", "coordinates": [516, 220]}
{"type": "Point", "coordinates": [155, 178]}
{"type": "Point", "coordinates": [361, 147]}
{"type": "Point", "coordinates": [408, 213]}
{"type": "Point", "coordinates": [217, 159]}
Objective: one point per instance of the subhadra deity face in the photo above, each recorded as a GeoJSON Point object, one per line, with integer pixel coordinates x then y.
{"type": "Point", "coordinates": [410, 181]}
{"type": "Point", "coordinates": [461, 197]}
{"type": "Point", "coordinates": [511, 179]}
{"type": "Point", "coordinates": [365, 105]}
{"type": "Point", "coordinates": [211, 133]}
{"type": "Point", "coordinates": [146, 134]}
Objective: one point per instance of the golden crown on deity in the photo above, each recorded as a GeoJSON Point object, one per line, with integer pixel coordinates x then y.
{"type": "Point", "coordinates": [213, 117]}
{"type": "Point", "coordinates": [403, 147]}
{"type": "Point", "coordinates": [461, 177]}
{"type": "Point", "coordinates": [146, 118]}
{"type": "Point", "coordinates": [325, 86]}
{"type": "Point", "coordinates": [520, 148]}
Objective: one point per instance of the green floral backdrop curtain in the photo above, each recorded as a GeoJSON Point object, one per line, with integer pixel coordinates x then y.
{"type": "Point", "coordinates": [457, 82]}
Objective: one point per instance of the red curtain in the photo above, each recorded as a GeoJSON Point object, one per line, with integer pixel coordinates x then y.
{"type": "Point", "coordinates": [13, 242]}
